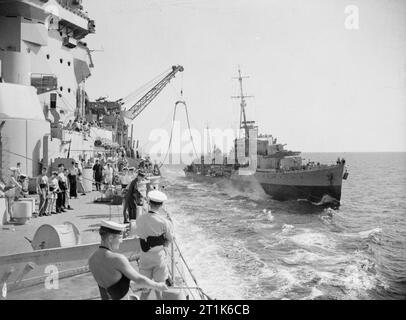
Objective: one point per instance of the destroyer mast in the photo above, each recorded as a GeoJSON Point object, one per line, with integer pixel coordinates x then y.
{"type": "Point", "coordinates": [244, 124]}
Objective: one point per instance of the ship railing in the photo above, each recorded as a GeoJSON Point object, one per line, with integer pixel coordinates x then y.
{"type": "Point", "coordinates": [78, 12]}
{"type": "Point", "coordinates": [194, 292]}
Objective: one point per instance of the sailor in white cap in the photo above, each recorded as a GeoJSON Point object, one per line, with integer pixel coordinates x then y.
{"type": "Point", "coordinates": [125, 178]}
{"type": "Point", "coordinates": [111, 270]}
{"type": "Point", "coordinates": [155, 232]}
{"type": "Point", "coordinates": [132, 173]}
{"type": "Point", "coordinates": [13, 187]}
{"type": "Point", "coordinates": [23, 180]}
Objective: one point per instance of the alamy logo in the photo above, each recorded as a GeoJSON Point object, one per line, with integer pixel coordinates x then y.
{"type": "Point", "coordinates": [52, 280]}
{"type": "Point", "coordinates": [352, 17]}
{"type": "Point", "coordinates": [186, 146]}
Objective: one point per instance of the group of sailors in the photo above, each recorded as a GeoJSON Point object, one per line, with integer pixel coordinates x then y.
{"type": "Point", "coordinates": [55, 191]}
{"type": "Point", "coordinates": [110, 173]}
{"type": "Point", "coordinates": [112, 270]}
{"type": "Point", "coordinates": [153, 227]}
{"type": "Point", "coordinates": [13, 188]}
{"type": "Point", "coordinates": [79, 125]}
{"type": "Point", "coordinates": [143, 211]}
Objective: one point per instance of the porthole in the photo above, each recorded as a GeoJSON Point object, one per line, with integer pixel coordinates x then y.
{"type": "Point", "coordinates": [69, 90]}
{"type": "Point", "coordinates": [61, 88]}
{"type": "Point", "coordinates": [69, 63]}
{"type": "Point", "coordinates": [48, 56]}
{"type": "Point", "coordinates": [61, 60]}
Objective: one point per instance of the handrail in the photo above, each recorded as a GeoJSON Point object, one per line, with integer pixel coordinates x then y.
{"type": "Point", "coordinates": [202, 293]}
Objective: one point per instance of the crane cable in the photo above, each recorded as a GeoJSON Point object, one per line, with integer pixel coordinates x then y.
{"type": "Point", "coordinates": [173, 124]}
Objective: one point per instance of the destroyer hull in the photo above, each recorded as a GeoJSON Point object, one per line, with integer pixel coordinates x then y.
{"type": "Point", "coordinates": [311, 184]}
{"type": "Point", "coordinates": [319, 184]}
{"type": "Point", "coordinates": [311, 193]}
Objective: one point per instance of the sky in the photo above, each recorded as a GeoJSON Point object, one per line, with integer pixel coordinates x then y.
{"type": "Point", "coordinates": [324, 79]}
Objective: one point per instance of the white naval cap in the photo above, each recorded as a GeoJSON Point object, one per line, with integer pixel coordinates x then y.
{"type": "Point", "coordinates": [157, 196]}
{"type": "Point", "coordinates": [113, 226]}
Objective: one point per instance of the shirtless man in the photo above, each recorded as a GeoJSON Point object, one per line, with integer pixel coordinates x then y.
{"type": "Point", "coordinates": [112, 271]}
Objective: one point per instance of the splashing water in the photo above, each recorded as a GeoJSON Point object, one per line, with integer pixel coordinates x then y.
{"type": "Point", "coordinates": [243, 244]}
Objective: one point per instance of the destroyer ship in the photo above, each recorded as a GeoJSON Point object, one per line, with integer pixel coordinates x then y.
{"type": "Point", "coordinates": [283, 174]}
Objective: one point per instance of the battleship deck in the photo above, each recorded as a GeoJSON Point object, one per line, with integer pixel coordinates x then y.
{"type": "Point", "coordinates": [86, 217]}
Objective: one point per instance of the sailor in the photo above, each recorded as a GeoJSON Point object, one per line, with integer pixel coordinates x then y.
{"type": "Point", "coordinates": [125, 181]}
{"type": "Point", "coordinates": [132, 174]}
{"type": "Point", "coordinates": [98, 174]}
{"type": "Point", "coordinates": [148, 164]}
{"type": "Point", "coordinates": [112, 271]}
{"type": "Point", "coordinates": [53, 193]}
{"type": "Point", "coordinates": [143, 185]}
{"type": "Point", "coordinates": [73, 173]}
{"type": "Point", "coordinates": [108, 174]}
{"type": "Point", "coordinates": [125, 178]}
{"type": "Point", "coordinates": [155, 232]}
{"type": "Point", "coordinates": [12, 189]}
{"type": "Point", "coordinates": [134, 197]}
{"type": "Point", "coordinates": [67, 191]}
{"type": "Point", "coordinates": [42, 190]}
{"type": "Point", "coordinates": [80, 167]}
{"type": "Point", "coordinates": [69, 125]}
{"type": "Point", "coordinates": [18, 170]}
{"type": "Point", "coordinates": [141, 165]}
{"type": "Point", "coordinates": [24, 185]}
{"type": "Point", "coordinates": [62, 187]}
{"type": "Point", "coordinates": [156, 170]}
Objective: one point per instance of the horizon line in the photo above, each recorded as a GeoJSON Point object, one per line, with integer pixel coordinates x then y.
{"type": "Point", "coordinates": [403, 151]}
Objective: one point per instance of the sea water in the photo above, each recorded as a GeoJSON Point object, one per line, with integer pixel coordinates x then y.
{"type": "Point", "coordinates": [241, 244]}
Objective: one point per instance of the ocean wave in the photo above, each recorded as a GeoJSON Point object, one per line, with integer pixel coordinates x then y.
{"type": "Point", "coordinates": [287, 228]}
{"type": "Point", "coordinates": [308, 238]}
{"type": "Point", "coordinates": [373, 235]}
{"type": "Point", "coordinates": [291, 250]}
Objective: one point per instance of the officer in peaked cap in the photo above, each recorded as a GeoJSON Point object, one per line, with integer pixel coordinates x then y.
{"type": "Point", "coordinates": [155, 232]}
{"type": "Point", "coordinates": [112, 227]}
{"type": "Point", "coordinates": [111, 270]}
{"type": "Point", "coordinates": [157, 197]}
{"type": "Point", "coordinates": [134, 197]}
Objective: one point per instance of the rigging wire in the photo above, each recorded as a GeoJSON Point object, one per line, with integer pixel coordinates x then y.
{"type": "Point", "coordinates": [173, 124]}
{"type": "Point", "coordinates": [163, 122]}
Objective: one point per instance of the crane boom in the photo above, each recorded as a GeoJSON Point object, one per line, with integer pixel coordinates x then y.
{"type": "Point", "coordinates": [141, 104]}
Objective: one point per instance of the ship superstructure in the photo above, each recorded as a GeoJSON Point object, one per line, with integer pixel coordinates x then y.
{"type": "Point", "coordinates": [44, 66]}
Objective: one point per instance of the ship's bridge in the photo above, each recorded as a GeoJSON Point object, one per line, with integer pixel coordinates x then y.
{"type": "Point", "coordinates": [69, 14]}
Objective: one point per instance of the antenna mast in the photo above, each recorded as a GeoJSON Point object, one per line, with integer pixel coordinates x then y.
{"type": "Point", "coordinates": [244, 124]}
